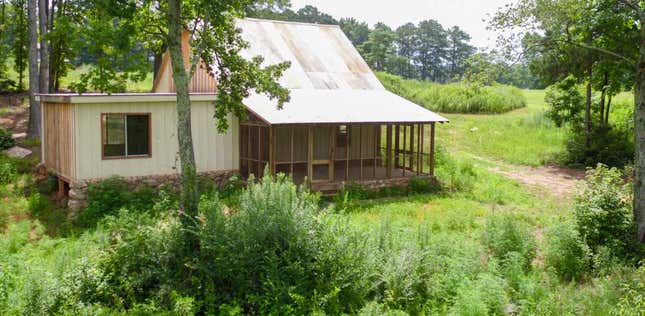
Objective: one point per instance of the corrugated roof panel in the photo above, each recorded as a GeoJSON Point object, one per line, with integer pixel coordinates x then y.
{"type": "Point", "coordinates": [321, 56]}
{"type": "Point", "coordinates": [341, 106]}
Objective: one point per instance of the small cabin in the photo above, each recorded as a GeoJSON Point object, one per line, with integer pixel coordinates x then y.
{"type": "Point", "coordinates": [341, 125]}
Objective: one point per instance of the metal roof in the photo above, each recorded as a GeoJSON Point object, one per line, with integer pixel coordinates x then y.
{"type": "Point", "coordinates": [328, 79]}
{"type": "Point", "coordinates": [321, 56]}
{"type": "Point", "coordinates": [340, 106]}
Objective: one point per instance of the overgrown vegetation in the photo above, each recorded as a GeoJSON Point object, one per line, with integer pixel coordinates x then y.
{"type": "Point", "coordinates": [465, 249]}
{"type": "Point", "coordinates": [6, 139]}
{"type": "Point", "coordinates": [456, 97]}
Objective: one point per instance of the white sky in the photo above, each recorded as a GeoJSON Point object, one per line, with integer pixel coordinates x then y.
{"type": "Point", "coordinates": [467, 14]}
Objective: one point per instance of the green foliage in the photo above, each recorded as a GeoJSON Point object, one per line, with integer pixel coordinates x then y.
{"type": "Point", "coordinates": [603, 212]}
{"type": "Point", "coordinates": [504, 235]}
{"type": "Point", "coordinates": [455, 175]}
{"type": "Point", "coordinates": [484, 296]}
{"type": "Point", "coordinates": [6, 139]}
{"type": "Point", "coordinates": [612, 146]}
{"type": "Point", "coordinates": [109, 196]}
{"type": "Point", "coordinates": [566, 252]}
{"type": "Point", "coordinates": [632, 302]}
{"type": "Point", "coordinates": [566, 102]}
{"type": "Point", "coordinates": [8, 172]}
{"type": "Point", "coordinates": [456, 97]}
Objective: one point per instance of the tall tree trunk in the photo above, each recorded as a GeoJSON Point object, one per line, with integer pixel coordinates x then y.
{"type": "Point", "coordinates": [607, 109]}
{"type": "Point", "coordinates": [603, 95]}
{"type": "Point", "coordinates": [588, 108]}
{"type": "Point", "coordinates": [43, 14]}
{"type": "Point", "coordinates": [189, 193]}
{"type": "Point", "coordinates": [34, 108]}
{"type": "Point", "coordinates": [639, 139]}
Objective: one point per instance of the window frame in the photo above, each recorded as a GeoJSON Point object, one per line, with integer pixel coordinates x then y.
{"type": "Point", "coordinates": [125, 115]}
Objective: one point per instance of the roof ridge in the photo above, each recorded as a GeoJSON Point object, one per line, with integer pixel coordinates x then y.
{"type": "Point", "coordinates": [290, 22]}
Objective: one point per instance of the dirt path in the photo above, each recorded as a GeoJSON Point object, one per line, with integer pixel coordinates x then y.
{"type": "Point", "coordinates": [558, 181]}
{"type": "Point", "coordinates": [15, 119]}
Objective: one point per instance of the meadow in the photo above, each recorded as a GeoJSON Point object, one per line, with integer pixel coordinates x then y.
{"type": "Point", "coordinates": [478, 244]}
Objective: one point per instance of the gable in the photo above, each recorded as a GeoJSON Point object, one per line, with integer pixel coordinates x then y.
{"type": "Point", "coordinates": [321, 57]}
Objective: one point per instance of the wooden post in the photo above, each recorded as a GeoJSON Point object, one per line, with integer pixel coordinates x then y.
{"type": "Point", "coordinates": [272, 141]}
{"type": "Point", "coordinates": [432, 148]}
{"type": "Point", "coordinates": [291, 128]}
{"type": "Point", "coordinates": [421, 147]}
{"type": "Point", "coordinates": [388, 153]}
{"type": "Point", "coordinates": [360, 151]}
{"type": "Point", "coordinates": [397, 137]}
{"type": "Point", "coordinates": [347, 151]}
{"type": "Point", "coordinates": [411, 147]}
{"type": "Point", "coordinates": [310, 153]}
{"type": "Point", "coordinates": [332, 151]}
{"type": "Point", "coordinates": [259, 152]}
{"type": "Point", "coordinates": [377, 129]}
{"type": "Point", "coordinates": [419, 144]}
{"type": "Point", "coordinates": [248, 151]}
{"type": "Point", "coordinates": [405, 128]}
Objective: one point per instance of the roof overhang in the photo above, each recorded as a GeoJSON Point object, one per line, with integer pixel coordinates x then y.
{"type": "Point", "coordinates": [119, 97]}
{"type": "Point", "coordinates": [340, 107]}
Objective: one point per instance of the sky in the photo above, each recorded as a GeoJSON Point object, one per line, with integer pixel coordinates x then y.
{"type": "Point", "coordinates": [467, 14]}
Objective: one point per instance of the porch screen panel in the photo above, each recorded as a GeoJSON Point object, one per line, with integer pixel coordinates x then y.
{"type": "Point", "coordinates": [322, 142]}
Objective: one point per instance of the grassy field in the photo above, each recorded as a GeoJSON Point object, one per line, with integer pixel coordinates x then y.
{"type": "Point", "coordinates": [524, 136]}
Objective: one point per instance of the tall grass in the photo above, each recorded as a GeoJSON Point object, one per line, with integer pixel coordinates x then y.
{"type": "Point", "coordinates": [456, 97]}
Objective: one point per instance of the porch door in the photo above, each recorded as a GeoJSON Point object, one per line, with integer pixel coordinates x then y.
{"type": "Point", "coordinates": [321, 153]}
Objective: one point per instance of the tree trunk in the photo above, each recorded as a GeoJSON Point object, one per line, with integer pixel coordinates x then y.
{"type": "Point", "coordinates": [588, 108]}
{"type": "Point", "coordinates": [34, 108]}
{"type": "Point", "coordinates": [603, 95]}
{"type": "Point", "coordinates": [43, 14]}
{"type": "Point", "coordinates": [607, 109]}
{"type": "Point", "coordinates": [189, 193]}
{"type": "Point", "coordinates": [639, 139]}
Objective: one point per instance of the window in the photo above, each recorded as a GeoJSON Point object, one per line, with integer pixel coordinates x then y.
{"type": "Point", "coordinates": [125, 135]}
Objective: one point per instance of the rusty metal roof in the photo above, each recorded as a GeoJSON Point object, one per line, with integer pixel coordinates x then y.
{"type": "Point", "coordinates": [321, 56]}
{"type": "Point", "coordinates": [328, 79]}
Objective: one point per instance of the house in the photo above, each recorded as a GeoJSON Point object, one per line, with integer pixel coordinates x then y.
{"type": "Point", "coordinates": [340, 126]}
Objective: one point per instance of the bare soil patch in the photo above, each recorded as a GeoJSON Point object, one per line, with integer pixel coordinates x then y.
{"type": "Point", "coordinates": [559, 181]}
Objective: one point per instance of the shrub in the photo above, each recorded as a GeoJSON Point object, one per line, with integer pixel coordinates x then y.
{"type": "Point", "coordinates": [6, 139]}
{"type": "Point", "coordinates": [612, 146]}
{"type": "Point", "coordinates": [566, 252]}
{"type": "Point", "coordinates": [484, 296]}
{"type": "Point", "coordinates": [108, 196]}
{"type": "Point", "coordinates": [504, 235]}
{"type": "Point", "coordinates": [603, 212]}
{"type": "Point", "coordinates": [455, 175]}
{"type": "Point", "coordinates": [456, 97]}
{"type": "Point", "coordinates": [8, 172]}
{"type": "Point", "coordinates": [632, 302]}
{"type": "Point", "coordinates": [274, 255]}
{"type": "Point", "coordinates": [565, 101]}
{"type": "Point", "coordinates": [419, 185]}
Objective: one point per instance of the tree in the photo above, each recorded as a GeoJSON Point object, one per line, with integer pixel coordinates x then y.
{"type": "Point", "coordinates": [379, 47]}
{"type": "Point", "coordinates": [457, 52]}
{"type": "Point", "coordinates": [407, 46]}
{"type": "Point", "coordinates": [43, 23]}
{"type": "Point", "coordinates": [20, 43]}
{"type": "Point", "coordinates": [357, 32]}
{"type": "Point", "coordinates": [431, 55]}
{"type": "Point", "coordinates": [35, 118]}
{"type": "Point", "coordinates": [593, 31]}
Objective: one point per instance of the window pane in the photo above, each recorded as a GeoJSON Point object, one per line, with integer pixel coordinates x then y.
{"type": "Point", "coordinates": [138, 135]}
{"type": "Point", "coordinates": [114, 135]}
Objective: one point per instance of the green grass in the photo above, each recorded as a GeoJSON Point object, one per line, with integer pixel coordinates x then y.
{"type": "Point", "coordinates": [75, 74]}
{"type": "Point", "coordinates": [524, 136]}
{"type": "Point", "coordinates": [456, 97]}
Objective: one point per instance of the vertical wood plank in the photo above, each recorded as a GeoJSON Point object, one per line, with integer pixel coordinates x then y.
{"type": "Point", "coordinates": [377, 147]}
{"type": "Point", "coordinates": [405, 128]}
{"type": "Point", "coordinates": [291, 128]}
{"type": "Point", "coordinates": [397, 137]}
{"type": "Point", "coordinates": [332, 151]}
{"type": "Point", "coordinates": [360, 151]}
{"type": "Point", "coordinates": [432, 135]}
{"type": "Point", "coordinates": [421, 137]}
{"type": "Point", "coordinates": [347, 150]}
{"type": "Point", "coordinates": [310, 153]}
{"type": "Point", "coordinates": [411, 147]}
{"type": "Point", "coordinates": [388, 152]}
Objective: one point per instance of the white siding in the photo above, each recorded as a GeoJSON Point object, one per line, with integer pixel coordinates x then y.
{"type": "Point", "coordinates": [213, 151]}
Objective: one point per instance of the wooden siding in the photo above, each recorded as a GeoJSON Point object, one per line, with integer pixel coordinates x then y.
{"type": "Point", "coordinates": [201, 82]}
{"type": "Point", "coordinates": [213, 151]}
{"type": "Point", "coordinates": [59, 142]}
